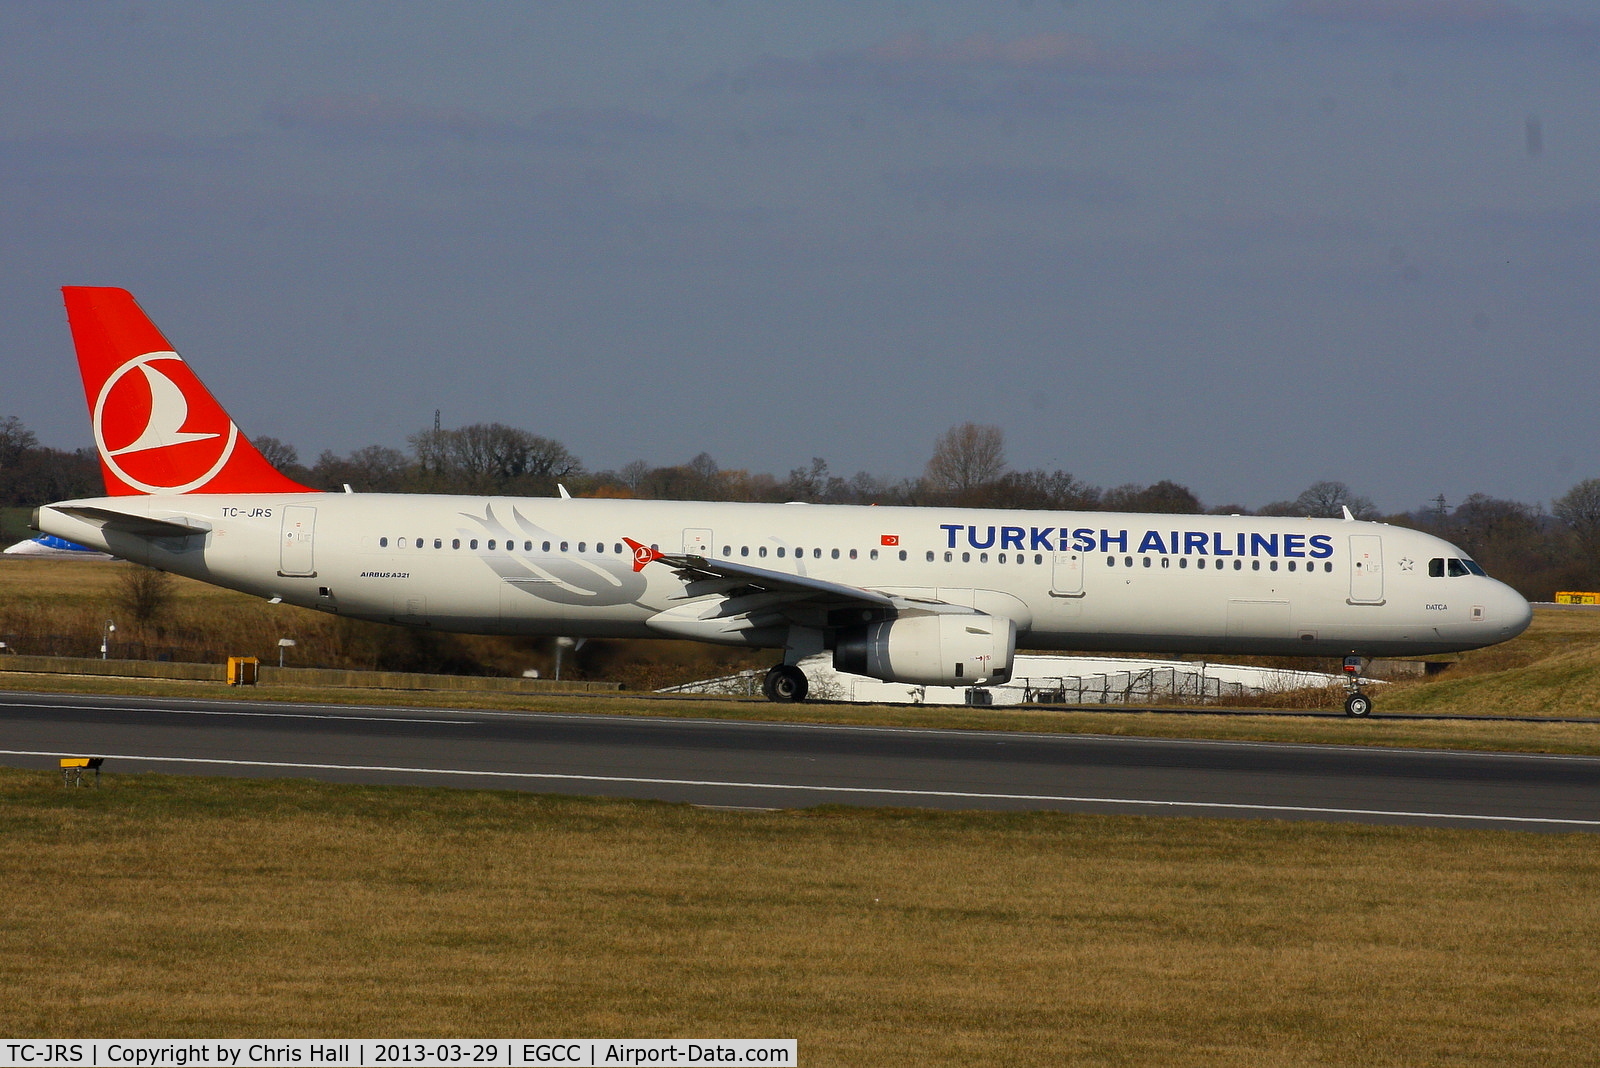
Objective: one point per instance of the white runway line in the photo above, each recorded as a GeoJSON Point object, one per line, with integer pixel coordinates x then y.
{"type": "Point", "coordinates": [864, 790]}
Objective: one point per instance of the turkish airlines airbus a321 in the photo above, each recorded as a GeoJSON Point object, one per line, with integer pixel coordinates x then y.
{"type": "Point", "coordinates": [926, 596]}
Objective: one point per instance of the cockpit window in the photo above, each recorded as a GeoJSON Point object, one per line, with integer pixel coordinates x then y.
{"type": "Point", "coordinates": [1475, 569]}
{"type": "Point", "coordinates": [1436, 567]}
{"type": "Point", "coordinates": [1457, 568]}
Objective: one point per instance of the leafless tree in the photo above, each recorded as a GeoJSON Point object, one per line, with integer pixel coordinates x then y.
{"type": "Point", "coordinates": [1164, 496]}
{"type": "Point", "coordinates": [15, 439]}
{"type": "Point", "coordinates": [145, 593]}
{"type": "Point", "coordinates": [966, 457]}
{"type": "Point", "coordinates": [1579, 509]}
{"type": "Point", "coordinates": [1328, 500]}
{"type": "Point", "coordinates": [492, 458]}
{"type": "Point", "coordinates": [370, 469]}
{"type": "Point", "coordinates": [279, 454]}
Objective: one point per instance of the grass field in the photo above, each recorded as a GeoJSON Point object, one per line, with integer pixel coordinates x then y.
{"type": "Point", "coordinates": [170, 907]}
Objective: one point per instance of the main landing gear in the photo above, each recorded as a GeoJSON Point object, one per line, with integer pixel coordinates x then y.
{"type": "Point", "coordinates": [1356, 703]}
{"type": "Point", "coordinates": [785, 683]}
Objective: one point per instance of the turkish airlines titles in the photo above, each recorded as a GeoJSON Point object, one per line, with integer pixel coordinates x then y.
{"type": "Point", "coordinates": [1160, 542]}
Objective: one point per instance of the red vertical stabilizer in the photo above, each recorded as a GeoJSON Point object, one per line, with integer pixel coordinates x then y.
{"type": "Point", "coordinates": [156, 426]}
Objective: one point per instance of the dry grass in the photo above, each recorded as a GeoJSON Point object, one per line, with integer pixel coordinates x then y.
{"type": "Point", "coordinates": [74, 598]}
{"type": "Point", "coordinates": [187, 907]}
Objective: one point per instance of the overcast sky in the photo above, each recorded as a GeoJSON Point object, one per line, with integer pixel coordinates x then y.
{"type": "Point", "coordinates": [1244, 245]}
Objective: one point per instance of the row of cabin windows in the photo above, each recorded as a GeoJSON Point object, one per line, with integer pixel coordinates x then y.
{"type": "Point", "coordinates": [1436, 567]}
{"type": "Point", "coordinates": [1439, 567]}
{"type": "Point", "coordinates": [799, 553]}
{"type": "Point", "coordinates": [1200, 563]}
{"type": "Point", "coordinates": [495, 544]}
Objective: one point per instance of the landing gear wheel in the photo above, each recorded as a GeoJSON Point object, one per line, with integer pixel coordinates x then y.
{"type": "Point", "coordinates": [785, 683]}
{"type": "Point", "coordinates": [1357, 704]}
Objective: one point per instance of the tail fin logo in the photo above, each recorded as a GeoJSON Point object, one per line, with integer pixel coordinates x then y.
{"type": "Point", "coordinates": [157, 428]}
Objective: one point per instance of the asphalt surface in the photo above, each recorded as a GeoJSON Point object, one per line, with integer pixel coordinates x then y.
{"type": "Point", "coordinates": [776, 765]}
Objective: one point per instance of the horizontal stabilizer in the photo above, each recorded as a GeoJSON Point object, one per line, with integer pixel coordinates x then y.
{"type": "Point", "coordinates": [139, 525]}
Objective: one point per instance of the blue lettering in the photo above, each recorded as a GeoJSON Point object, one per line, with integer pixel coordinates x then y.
{"type": "Point", "coordinates": [1011, 537]}
{"type": "Point", "coordinates": [1294, 545]}
{"type": "Point", "coordinates": [1194, 541]}
{"type": "Point", "coordinates": [1216, 545]}
{"type": "Point", "coordinates": [950, 530]}
{"type": "Point", "coordinates": [972, 536]}
{"type": "Point", "coordinates": [1039, 538]}
{"type": "Point", "coordinates": [1321, 546]}
{"type": "Point", "coordinates": [1108, 539]}
{"type": "Point", "coordinates": [1082, 539]}
{"type": "Point", "coordinates": [1240, 550]}
{"type": "Point", "coordinates": [1152, 543]}
{"type": "Point", "coordinates": [1263, 544]}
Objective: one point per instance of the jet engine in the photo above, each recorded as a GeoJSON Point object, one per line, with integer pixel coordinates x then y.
{"type": "Point", "coordinates": [931, 650]}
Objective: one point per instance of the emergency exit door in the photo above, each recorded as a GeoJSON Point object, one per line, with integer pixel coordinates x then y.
{"type": "Point", "coordinates": [297, 545]}
{"type": "Point", "coordinates": [1366, 569]}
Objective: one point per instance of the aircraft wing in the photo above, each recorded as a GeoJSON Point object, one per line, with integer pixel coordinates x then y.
{"type": "Point", "coordinates": [737, 582]}
{"type": "Point", "coordinates": [699, 569]}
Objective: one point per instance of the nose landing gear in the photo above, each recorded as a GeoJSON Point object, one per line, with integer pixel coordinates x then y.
{"type": "Point", "coordinates": [1356, 703]}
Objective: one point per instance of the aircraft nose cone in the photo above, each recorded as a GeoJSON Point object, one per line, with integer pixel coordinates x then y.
{"type": "Point", "coordinates": [1514, 612]}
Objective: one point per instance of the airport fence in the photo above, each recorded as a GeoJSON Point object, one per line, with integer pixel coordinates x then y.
{"type": "Point", "coordinates": [88, 647]}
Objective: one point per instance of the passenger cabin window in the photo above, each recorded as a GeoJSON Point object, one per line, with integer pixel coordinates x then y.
{"type": "Point", "coordinates": [383, 543]}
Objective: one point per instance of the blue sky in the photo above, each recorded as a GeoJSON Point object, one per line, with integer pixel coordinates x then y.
{"type": "Point", "coordinates": [1245, 246]}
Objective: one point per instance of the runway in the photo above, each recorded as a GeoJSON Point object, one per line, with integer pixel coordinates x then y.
{"type": "Point", "coordinates": [777, 765]}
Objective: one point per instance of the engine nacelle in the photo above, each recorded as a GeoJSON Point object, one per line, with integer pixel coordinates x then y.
{"type": "Point", "coordinates": [933, 650]}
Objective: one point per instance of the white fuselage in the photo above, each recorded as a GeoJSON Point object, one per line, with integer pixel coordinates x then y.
{"type": "Point", "coordinates": [1069, 580]}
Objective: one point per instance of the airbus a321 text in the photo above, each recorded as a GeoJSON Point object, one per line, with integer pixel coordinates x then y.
{"type": "Point", "coordinates": [926, 596]}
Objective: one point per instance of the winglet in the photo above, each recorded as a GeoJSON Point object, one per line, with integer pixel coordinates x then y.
{"type": "Point", "coordinates": [157, 428]}
{"type": "Point", "coordinates": [643, 554]}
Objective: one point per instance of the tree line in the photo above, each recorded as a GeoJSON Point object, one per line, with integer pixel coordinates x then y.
{"type": "Point", "coordinates": [1535, 550]}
